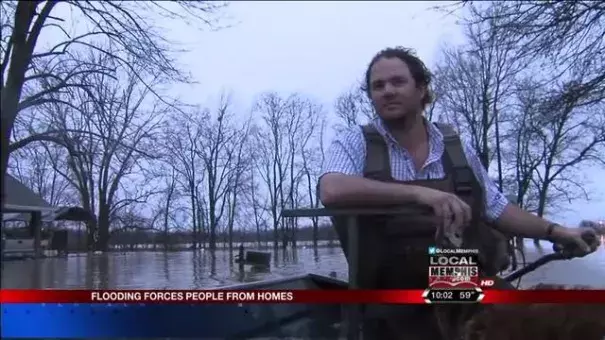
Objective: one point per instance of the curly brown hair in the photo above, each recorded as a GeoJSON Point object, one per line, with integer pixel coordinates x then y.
{"type": "Point", "coordinates": [418, 69]}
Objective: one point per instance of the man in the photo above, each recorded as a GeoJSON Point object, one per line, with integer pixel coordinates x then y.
{"type": "Point", "coordinates": [398, 86]}
{"type": "Point", "coordinates": [397, 82]}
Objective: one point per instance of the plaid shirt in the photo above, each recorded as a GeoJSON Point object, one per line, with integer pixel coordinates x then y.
{"type": "Point", "coordinates": [347, 155]}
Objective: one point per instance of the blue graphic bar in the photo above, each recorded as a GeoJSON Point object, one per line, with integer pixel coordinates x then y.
{"type": "Point", "coordinates": [55, 320]}
{"type": "Point", "coordinates": [117, 320]}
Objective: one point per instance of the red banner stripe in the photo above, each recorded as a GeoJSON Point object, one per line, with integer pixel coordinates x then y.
{"type": "Point", "coordinates": [211, 296]}
{"type": "Point", "coordinates": [286, 296]}
{"type": "Point", "coordinates": [544, 296]}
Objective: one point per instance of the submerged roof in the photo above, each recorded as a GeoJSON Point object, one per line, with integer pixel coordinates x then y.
{"type": "Point", "coordinates": [20, 201]}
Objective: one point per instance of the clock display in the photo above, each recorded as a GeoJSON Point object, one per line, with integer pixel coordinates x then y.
{"type": "Point", "coordinates": [463, 295]}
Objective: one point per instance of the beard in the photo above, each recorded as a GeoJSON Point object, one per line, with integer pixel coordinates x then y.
{"type": "Point", "coordinates": [401, 118]}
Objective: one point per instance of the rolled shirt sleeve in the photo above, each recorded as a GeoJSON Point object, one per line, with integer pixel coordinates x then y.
{"type": "Point", "coordinates": [346, 154]}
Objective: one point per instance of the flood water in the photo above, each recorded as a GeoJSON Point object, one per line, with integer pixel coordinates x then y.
{"type": "Point", "coordinates": [191, 270]}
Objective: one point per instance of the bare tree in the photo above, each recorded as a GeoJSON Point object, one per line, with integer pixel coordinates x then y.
{"type": "Point", "coordinates": [122, 115]}
{"type": "Point", "coordinates": [287, 127]}
{"type": "Point", "coordinates": [272, 168]}
{"type": "Point", "coordinates": [219, 151]}
{"type": "Point", "coordinates": [34, 167]}
{"type": "Point", "coordinates": [303, 117]}
{"type": "Point", "coordinates": [561, 34]}
{"type": "Point", "coordinates": [127, 27]}
{"type": "Point", "coordinates": [473, 82]}
{"type": "Point", "coordinates": [353, 107]}
{"type": "Point", "coordinates": [182, 138]}
{"type": "Point", "coordinates": [136, 230]}
{"type": "Point", "coordinates": [570, 135]}
{"type": "Point", "coordinates": [312, 160]}
{"type": "Point", "coordinates": [257, 201]}
{"type": "Point", "coordinates": [520, 156]}
{"type": "Point", "coordinates": [166, 205]}
{"type": "Point", "coordinates": [532, 71]}
{"type": "Point", "coordinates": [566, 40]}
{"type": "Point", "coordinates": [237, 181]}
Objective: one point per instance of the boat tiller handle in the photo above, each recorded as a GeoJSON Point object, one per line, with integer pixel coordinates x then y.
{"type": "Point", "coordinates": [571, 249]}
{"type": "Point", "coordinates": [561, 252]}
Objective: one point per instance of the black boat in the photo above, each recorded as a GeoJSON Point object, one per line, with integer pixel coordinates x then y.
{"type": "Point", "coordinates": [317, 321]}
{"type": "Point", "coordinates": [296, 320]}
{"type": "Point", "coordinates": [324, 321]}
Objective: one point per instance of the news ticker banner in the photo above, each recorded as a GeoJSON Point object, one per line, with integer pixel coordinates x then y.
{"type": "Point", "coordinates": [10, 297]}
{"type": "Point", "coordinates": [213, 313]}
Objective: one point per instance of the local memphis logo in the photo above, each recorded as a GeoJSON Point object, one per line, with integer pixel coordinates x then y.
{"type": "Point", "coordinates": [454, 268]}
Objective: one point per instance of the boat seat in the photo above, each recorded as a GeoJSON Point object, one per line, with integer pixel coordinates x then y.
{"type": "Point", "coordinates": [255, 258]}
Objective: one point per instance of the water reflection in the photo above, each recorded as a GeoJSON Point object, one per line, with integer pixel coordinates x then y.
{"type": "Point", "coordinates": [199, 269]}
{"type": "Point", "coordinates": [199, 263]}
{"type": "Point", "coordinates": [166, 266]}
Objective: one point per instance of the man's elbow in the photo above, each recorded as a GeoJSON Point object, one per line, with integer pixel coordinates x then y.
{"type": "Point", "coordinates": [330, 191]}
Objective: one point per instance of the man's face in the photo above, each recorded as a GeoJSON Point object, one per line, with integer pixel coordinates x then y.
{"type": "Point", "coordinates": [393, 89]}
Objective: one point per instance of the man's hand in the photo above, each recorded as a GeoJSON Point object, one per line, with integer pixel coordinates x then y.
{"type": "Point", "coordinates": [583, 240]}
{"type": "Point", "coordinates": [454, 213]}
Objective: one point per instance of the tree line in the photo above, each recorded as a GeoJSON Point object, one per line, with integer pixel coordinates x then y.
{"type": "Point", "coordinates": [88, 122]}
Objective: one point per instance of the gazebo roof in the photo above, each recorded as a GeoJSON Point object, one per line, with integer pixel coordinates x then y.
{"type": "Point", "coordinates": [21, 201]}
{"type": "Point", "coordinates": [20, 198]}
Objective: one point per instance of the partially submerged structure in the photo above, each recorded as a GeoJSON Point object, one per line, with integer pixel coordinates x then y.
{"type": "Point", "coordinates": [23, 205]}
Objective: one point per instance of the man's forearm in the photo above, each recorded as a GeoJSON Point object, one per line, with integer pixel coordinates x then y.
{"type": "Point", "coordinates": [519, 222]}
{"type": "Point", "coordinates": [338, 189]}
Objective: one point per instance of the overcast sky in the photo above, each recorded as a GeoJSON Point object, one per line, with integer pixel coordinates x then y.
{"type": "Point", "coordinates": [319, 49]}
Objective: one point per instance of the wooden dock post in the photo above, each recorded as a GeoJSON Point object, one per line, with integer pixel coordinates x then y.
{"type": "Point", "coordinates": [354, 315]}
